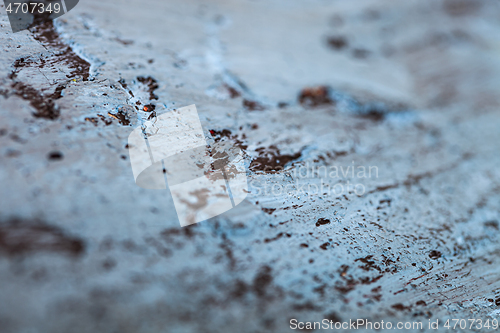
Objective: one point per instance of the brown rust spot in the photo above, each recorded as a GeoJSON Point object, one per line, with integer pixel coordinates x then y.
{"type": "Point", "coordinates": [315, 96]}
{"type": "Point", "coordinates": [270, 160]}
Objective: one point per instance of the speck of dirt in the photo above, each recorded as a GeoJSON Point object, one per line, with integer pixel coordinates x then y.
{"type": "Point", "coordinates": [435, 255]}
{"type": "Point", "coordinates": [270, 160]}
{"type": "Point", "coordinates": [253, 105]}
{"type": "Point", "coordinates": [233, 92]}
{"type": "Point", "coordinates": [497, 301]}
{"type": "Point", "coordinates": [337, 42]}
{"type": "Point", "coordinates": [152, 85]}
{"type": "Point", "coordinates": [268, 210]}
{"type": "Point", "coordinates": [18, 237]}
{"type": "Point", "coordinates": [400, 307]}
{"type": "Point", "coordinates": [324, 246]}
{"type": "Point", "coordinates": [421, 303]}
{"type": "Point", "coordinates": [315, 96]}
{"type": "Point", "coordinates": [121, 116]}
{"type": "Point", "coordinates": [55, 156]}
{"type": "Point", "coordinates": [149, 108]}
{"type": "Point", "coordinates": [322, 221]}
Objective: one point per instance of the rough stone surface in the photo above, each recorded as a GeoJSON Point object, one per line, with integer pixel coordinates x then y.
{"type": "Point", "coordinates": [410, 88]}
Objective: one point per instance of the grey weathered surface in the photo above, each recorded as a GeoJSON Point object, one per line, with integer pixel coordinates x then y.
{"type": "Point", "coordinates": [415, 93]}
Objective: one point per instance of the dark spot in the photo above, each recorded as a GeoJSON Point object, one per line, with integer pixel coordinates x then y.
{"type": "Point", "coordinates": [337, 42]}
{"type": "Point", "coordinates": [123, 83]}
{"type": "Point", "coordinates": [324, 246]}
{"type": "Point", "coordinates": [497, 301]}
{"type": "Point", "coordinates": [225, 133]}
{"type": "Point", "coordinates": [239, 289]}
{"type": "Point", "coordinates": [152, 85]}
{"type": "Point", "coordinates": [18, 237]}
{"type": "Point", "coordinates": [421, 303]}
{"type": "Point", "coordinates": [44, 104]}
{"type": "Point", "coordinates": [233, 92]}
{"type": "Point", "coordinates": [252, 105]}
{"type": "Point", "coordinates": [491, 224]}
{"type": "Point", "coordinates": [332, 316]}
{"type": "Point", "coordinates": [282, 105]}
{"type": "Point", "coordinates": [315, 96]}
{"type": "Point", "coordinates": [270, 160]}
{"type": "Point", "coordinates": [400, 307]}
{"type": "Point", "coordinates": [268, 210]}
{"type": "Point", "coordinates": [304, 245]}
{"type": "Point", "coordinates": [121, 116]}
{"type": "Point", "coordinates": [124, 41]}
{"type": "Point", "coordinates": [149, 107]}
{"type": "Point", "coordinates": [435, 255]}
{"type": "Point", "coordinates": [278, 236]}
{"type": "Point", "coordinates": [262, 281]}
{"type": "Point", "coordinates": [322, 221]}
{"type": "Point", "coordinates": [55, 156]}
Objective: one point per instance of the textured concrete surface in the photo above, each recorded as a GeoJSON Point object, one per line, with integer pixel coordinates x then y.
{"type": "Point", "coordinates": [409, 88]}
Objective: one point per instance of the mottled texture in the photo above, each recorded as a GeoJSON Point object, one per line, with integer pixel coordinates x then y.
{"type": "Point", "coordinates": [410, 88]}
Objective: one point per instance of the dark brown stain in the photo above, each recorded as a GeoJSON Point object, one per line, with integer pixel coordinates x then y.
{"type": "Point", "coordinates": [55, 156]}
{"type": "Point", "coordinates": [315, 96]}
{"type": "Point", "coordinates": [270, 160]}
{"type": "Point", "coordinates": [233, 92]}
{"type": "Point", "coordinates": [46, 34]}
{"type": "Point", "coordinates": [401, 307]}
{"type": "Point", "coordinates": [219, 135]}
{"type": "Point", "coordinates": [268, 210]}
{"type": "Point", "coordinates": [322, 221]}
{"type": "Point", "coordinates": [278, 236]}
{"type": "Point", "coordinates": [435, 255]}
{"type": "Point", "coordinates": [262, 281]}
{"type": "Point", "coordinates": [121, 116]}
{"type": "Point", "coordinates": [368, 263]}
{"type": "Point", "coordinates": [253, 105]}
{"type": "Point", "coordinates": [152, 85]}
{"type": "Point", "coordinates": [337, 42]}
{"type": "Point", "coordinates": [20, 237]}
{"type": "Point", "coordinates": [149, 108]}
{"type": "Point", "coordinates": [44, 105]}
{"type": "Point", "coordinates": [324, 246]}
